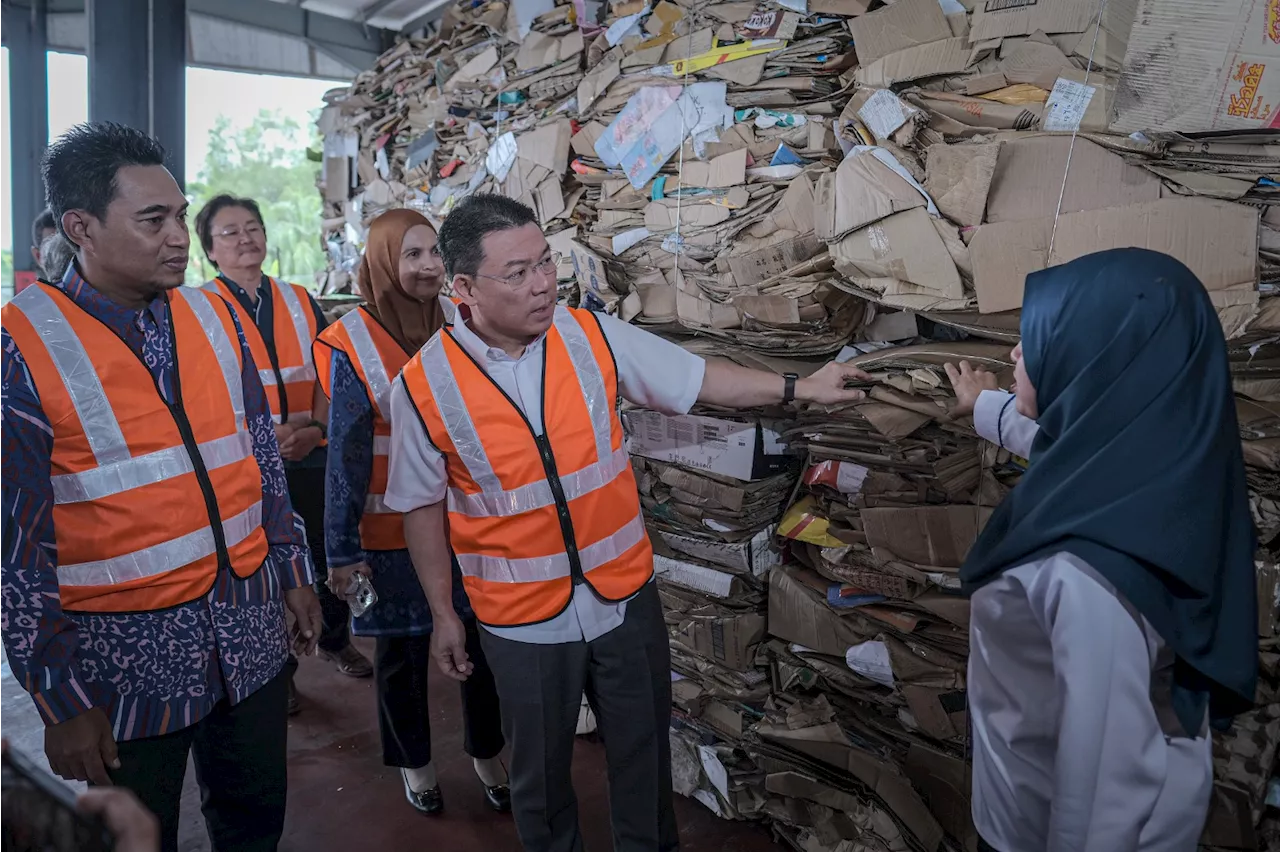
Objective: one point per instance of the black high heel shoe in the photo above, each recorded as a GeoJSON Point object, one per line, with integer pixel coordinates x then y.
{"type": "Point", "coordinates": [429, 802]}
{"type": "Point", "coordinates": [499, 798]}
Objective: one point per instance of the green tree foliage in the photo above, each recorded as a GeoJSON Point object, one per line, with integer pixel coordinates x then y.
{"type": "Point", "coordinates": [266, 161]}
{"type": "Point", "coordinates": [6, 275]}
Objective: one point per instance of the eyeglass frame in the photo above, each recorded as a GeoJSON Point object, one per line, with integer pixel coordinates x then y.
{"type": "Point", "coordinates": [228, 234]}
{"type": "Point", "coordinates": [518, 280]}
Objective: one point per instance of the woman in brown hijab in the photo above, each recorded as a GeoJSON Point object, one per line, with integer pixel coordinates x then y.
{"type": "Point", "coordinates": [357, 360]}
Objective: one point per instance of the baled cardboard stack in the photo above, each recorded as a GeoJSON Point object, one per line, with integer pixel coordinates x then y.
{"type": "Point", "coordinates": [782, 182]}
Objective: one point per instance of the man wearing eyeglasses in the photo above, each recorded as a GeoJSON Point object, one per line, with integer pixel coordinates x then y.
{"type": "Point", "coordinates": [507, 448]}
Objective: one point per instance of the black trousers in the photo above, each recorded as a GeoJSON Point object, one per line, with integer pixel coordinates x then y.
{"type": "Point", "coordinates": [626, 675]}
{"type": "Point", "coordinates": [401, 665]}
{"type": "Point", "coordinates": [306, 492]}
{"type": "Point", "coordinates": [240, 766]}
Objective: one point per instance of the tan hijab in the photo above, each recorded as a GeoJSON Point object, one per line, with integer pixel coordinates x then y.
{"type": "Point", "coordinates": [409, 321]}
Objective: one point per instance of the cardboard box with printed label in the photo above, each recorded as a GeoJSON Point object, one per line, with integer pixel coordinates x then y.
{"type": "Point", "coordinates": [1194, 66]}
{"type": "Point", "coordinates": [729, 447]}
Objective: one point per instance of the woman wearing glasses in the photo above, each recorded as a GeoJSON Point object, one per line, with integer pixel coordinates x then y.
{"type": "Point", "coordinates": [281, 321]}
{"type": "Point", "coordinates": [358, 359]}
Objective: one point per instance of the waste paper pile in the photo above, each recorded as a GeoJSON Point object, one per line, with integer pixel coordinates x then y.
{"type": "Point", "coordinates": [787, 181]}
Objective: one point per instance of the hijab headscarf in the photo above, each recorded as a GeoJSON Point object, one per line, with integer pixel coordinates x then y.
{"type": "Point", "coordinates": [408, 320]}
{"type": "Point", "coordinates": [1137, 468]}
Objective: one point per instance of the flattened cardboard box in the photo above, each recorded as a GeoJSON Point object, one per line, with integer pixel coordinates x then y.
{"type": "Point", "coordinates": [1217, 240]}
{"type": "Point", "coordinates": [753, 556]}
{"type": "Point", "coordinates": [907, 23]}
{"type": "Point", "coordinates": [1200, 65]}
{"type": "Point", "coordinates": [1028, 179]}
{"type": "Point", "coordinates": [742, 450]}
{"type": "Point", "coordinates": [730, 640]}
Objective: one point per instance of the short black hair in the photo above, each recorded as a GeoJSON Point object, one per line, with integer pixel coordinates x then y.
{"type": "Point", "coordinates": [79, 168]}
{"type": "Point", "coordinates": [461, 235]}
{"type": "Point", "coordinates": [44, 222]}
{"type": "Point", "coordinates": [204, 219]}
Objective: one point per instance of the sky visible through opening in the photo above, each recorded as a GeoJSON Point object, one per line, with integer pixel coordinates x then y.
{"type": "Point", "coordinates": [210, 94]}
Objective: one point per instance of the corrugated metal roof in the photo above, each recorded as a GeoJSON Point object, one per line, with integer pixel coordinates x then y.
{"type": "Point", "coordinates": [389, 14]}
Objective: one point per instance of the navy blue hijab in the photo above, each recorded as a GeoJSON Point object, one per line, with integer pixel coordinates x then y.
{"type": "Point", "coordinates": [1137, 467]}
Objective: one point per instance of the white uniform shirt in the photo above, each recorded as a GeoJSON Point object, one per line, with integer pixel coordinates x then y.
{"type": "Point", "coordinates": [652, 372]}
{"type": "Point", "coordinates": [1069, 754]}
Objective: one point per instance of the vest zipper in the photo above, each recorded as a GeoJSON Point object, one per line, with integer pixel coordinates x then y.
{"type": "Point", "coordinates": [562, 507]}
{"type": "Point", "coordinates": [548, 459]}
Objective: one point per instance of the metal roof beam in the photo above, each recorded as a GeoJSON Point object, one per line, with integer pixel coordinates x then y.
{"type": "Point", "coordinates": [354, 43]}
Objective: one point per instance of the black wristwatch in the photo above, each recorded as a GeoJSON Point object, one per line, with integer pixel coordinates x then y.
{"type": "Point", "coordinates": [789, 387]}
{"type": "Point", "coordinates": [324, 430]}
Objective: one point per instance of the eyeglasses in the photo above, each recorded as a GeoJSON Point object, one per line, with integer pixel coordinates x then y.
{"type": "Point", "coordinates": [253, 231]}
{"type": "Point", "coordinates": [521, 278]}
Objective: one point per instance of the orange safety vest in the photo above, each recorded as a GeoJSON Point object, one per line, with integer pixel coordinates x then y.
{"type": "Point", "coordinates": [290, 365]}
{"type": "Point", "coordinates": [530, 515]}
{"type": "Point", "coordinates": [377, 359]}
{"type": "Point", "coordinates": [150, 499]}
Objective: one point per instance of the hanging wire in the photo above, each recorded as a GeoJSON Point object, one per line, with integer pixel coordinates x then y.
{"type": "Point", "coordinates": [679, 244]}
{"type": "Point", "coordinates": [1075, 131]}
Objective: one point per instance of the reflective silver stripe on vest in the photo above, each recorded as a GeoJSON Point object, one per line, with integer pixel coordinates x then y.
{"type": "Point", "coordinates": [449, 308]}
{"type": "Point", "coordinates": [154, 467]}
{"type": "Point", "coordinates": [457, 420]}
{"type": "Point", "coordinates": [224, 348]}
{"type": "Point", "coordinates": [382, 445]}
{"type": "Point", "coordinates": [495, 569]}
{"type": "Point", "coordinates": [163, 557]}
{"type": "Point", "coordinates": [493, 500]}
{"type": "Point", "coordinates": [537, 495]}
{"type": "Point", "coordinates": [305, 373]}
{"type": "Point", "coordinates": [300, 327]}
{"type": "Point", "coordinates": [366, 352]}
{"type": "Point", "coordinates": [589, 379]}
{"type": "Point", "coordinates": [101, 429]}
{"type": "Point", "coordinates": [268, 377]}
{"type": "Point", "coordinates": [376, 504]}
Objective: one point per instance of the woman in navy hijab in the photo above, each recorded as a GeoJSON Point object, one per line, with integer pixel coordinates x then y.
{"type": "Point", "coordinates": [1113, 591]}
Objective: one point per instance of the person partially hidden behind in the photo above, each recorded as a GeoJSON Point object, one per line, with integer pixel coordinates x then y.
{"type": "Point", "coordinates": [1113, 590]}
{"type": "Point", "coordinates": [357, 358]}
{"type": "Point", "coordinates": [281, 321]}
{"type": "Point", "coordinates": [150, 548]}
{"type": "Point", "coordinates": [41, 229]}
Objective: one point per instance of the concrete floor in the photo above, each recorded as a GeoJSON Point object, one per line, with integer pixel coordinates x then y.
{"type": "Point", "coordinates": [341, 797]}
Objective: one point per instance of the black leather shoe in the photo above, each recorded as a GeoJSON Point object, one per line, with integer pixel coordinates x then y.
{"type": "Point", "coordinates": [429, 802]}
{"type": "Point", "coordinates": [499, 798]}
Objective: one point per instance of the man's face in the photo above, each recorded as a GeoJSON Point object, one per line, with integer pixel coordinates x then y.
{"type": "Point", "coordinates": [141, 242]}
{"type": "Point", "coordinates": [514, 290]}
{"type": "Point", "coordinates": [45, 233]}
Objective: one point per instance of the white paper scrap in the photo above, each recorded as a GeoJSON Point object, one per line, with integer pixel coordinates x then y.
{"type": "Point", "coordinates": [620, 28]}
{"type": "Point", "coordinates": [871, 660]}
{"type": "Point", "coordinates": [627, 239]}
{"type": "Point", "coordinates": [1066, 106]}
{"type": "Point", "coordinates": [883, 113]}
{"type": "Point", "coordinates": [502, 156]}
{"type": "Point", "coordinates": [850, 477]}
{"type": "Point", "coordinates": [715, 770]}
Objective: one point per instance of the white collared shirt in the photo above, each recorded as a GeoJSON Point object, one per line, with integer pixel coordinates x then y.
{"type": "Point", "coordinates": [652, 372]}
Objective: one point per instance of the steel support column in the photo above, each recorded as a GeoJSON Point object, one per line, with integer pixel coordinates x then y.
{"type": "Point", "coordinates": [24, 35]}
{"type": "Point", "coordinates": [137, 70]}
